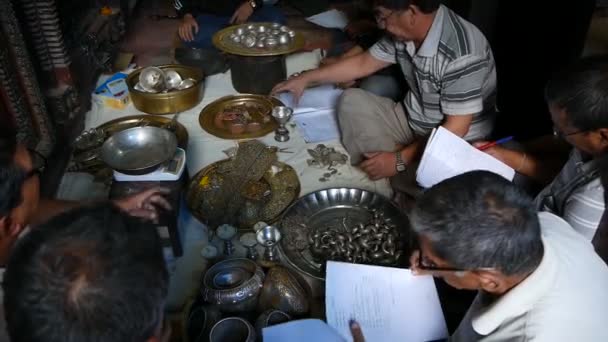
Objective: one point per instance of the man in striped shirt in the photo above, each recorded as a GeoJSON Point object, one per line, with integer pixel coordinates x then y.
{"type": "Point", "coordinates": [450, 71]}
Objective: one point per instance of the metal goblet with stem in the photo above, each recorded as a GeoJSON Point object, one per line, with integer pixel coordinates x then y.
{"type": "Point", "coordinates": [249, 241]}
{"type": "Point", "coordinates": [226, 232]}
{"type": "Point", "coordinates": [282, 114]}
{"type": "Point", "coordinates": [269, 237]}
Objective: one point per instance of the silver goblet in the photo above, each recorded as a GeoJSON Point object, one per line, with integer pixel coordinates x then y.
{"type": "Point", "coordinates": [269, 237]}
{"type": "Point", "coordinates": [282, 114]}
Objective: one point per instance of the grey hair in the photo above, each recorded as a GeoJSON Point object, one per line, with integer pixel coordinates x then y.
{"type": "Point", "coordinates": [480, 220]}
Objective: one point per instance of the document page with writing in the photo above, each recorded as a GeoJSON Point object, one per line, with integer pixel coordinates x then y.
{"type": "Point", "coordinates": [447, 155]}
{"type": "Point", "coordinates": [390, 304]}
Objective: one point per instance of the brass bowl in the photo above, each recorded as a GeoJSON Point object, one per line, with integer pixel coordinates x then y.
{"type": "Point", "coordinates": [171, 102]}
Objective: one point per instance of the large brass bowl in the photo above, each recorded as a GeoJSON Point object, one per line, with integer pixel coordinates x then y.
{"type": "Point", "coordinates": [171, 102]}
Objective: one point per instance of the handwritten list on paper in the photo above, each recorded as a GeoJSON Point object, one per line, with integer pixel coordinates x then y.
{"type": "Point", "coordinates": [390, 304]}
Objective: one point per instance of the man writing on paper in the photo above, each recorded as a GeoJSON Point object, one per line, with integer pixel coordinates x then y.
{"type": "Point", "coordinates": [450, 71]}
{"type": "Point", "coordinates": [578, 102]}
{"type": "Point", "coordinates": [538, 279]}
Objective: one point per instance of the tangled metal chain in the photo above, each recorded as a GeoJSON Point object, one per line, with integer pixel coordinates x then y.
{"type": "Point", "coordinates": [375, 242]}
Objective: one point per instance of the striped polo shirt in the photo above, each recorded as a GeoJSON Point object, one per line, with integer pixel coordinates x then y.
{"type": "Point", "coordinates": [452, 73]}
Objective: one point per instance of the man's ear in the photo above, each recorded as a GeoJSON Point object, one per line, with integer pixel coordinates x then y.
{"type": "Point", "coordinates": [491, 281]}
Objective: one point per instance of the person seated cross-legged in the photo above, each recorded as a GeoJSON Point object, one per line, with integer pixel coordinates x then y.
{"type": "Point", "coordinates": [201, 19]}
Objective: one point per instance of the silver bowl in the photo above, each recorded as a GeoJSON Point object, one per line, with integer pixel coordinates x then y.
{"type": "Point", "coordinates": [284, 39]}
{"type": "Point", "coordinates": [172, 79]}
{"type": "Point", "coordinates": [271, 42]}
{"type": "Point", "coordinates": [269, 318]}
{"type": "Point", "coordinates": [152, 79]}
{"type": "Point", "coordinates": [232, 329]}
{"type": "Point", "coordinates": [185, 84]}
{"type": "Point", "coordinates": [233, 284]}
{"type": "Point", "coordinates": [138, 149]}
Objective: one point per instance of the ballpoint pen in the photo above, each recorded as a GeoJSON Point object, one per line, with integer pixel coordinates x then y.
{"type": "Point", "coordinates": [494, 143]}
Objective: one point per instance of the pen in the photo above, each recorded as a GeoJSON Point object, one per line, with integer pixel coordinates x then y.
{"type": "Point", "coordinates": [494, 143]}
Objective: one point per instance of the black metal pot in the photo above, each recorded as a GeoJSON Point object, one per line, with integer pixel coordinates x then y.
{"type": "Point", "coordinates": [257, 75]}
{"type": "Point", "coordinates": [210, 61]}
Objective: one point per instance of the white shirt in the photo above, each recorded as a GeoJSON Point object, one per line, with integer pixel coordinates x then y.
{"type": "Point", "coordinates": [564, 299]}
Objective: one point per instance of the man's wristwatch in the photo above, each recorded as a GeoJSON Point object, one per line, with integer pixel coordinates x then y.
{"type": "Point", "coordinates": [399, 165]}
{"type": "Point", "coordinates": [253, 4]}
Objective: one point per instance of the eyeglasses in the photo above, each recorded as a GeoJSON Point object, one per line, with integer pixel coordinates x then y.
{"type": "Point", "coordinates": [380, 19]}
{"type": "Point", "coordinates": [562, 135]}
{"type": "Point", "coordinates": [38, 164]}
{"type": "Point", "coordinates": [425, 265]}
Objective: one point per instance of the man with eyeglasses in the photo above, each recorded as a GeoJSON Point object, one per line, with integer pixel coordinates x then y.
{"type": "Point", "coordinates": [578, 101]}
{"type": "Point", "coordinates": [449, 68]}
{"type": "Point", "coordinates": [538, 280]}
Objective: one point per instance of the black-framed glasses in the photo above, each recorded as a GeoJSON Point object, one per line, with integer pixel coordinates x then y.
{"type": "Point", "coordinates": [427, 265]}
{"type": "Point", "coordinates": [559, 134]}
{"type": "Point", "coordinates": [38, 164]}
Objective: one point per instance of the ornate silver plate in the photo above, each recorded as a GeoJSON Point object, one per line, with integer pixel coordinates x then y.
{"type": "Point", "coordinates": [331, 209]}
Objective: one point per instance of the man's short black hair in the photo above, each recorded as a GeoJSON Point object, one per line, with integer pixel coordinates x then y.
{"type": "Point", "coordinates": [426, 6]}
{"type": "Point", "coordinates": [92, 274]}
{"type": "Point", "coordinates": [581, 90]}
{"type": "Point", "coordinates": [11, 175]}
{"type": "Point", "coordinates": [478, 220]}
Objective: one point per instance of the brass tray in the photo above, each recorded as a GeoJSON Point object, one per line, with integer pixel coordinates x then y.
{"type": "Point", "coordinates": [209, 113]}
{"type": "Point", "coordinates": [205, 186]}
{"type": "Point", "coordinates": [222, 41]}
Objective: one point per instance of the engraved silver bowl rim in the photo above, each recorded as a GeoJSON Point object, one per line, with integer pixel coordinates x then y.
{"type": "Point", "coordinates": [229, 296]}
{"type": "Point", "coordinates": [251, 336]}
{"type": "Point", "coordinates": [332, 198]}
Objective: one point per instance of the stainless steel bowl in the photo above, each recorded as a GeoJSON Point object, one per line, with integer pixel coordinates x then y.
{"type": "Point", "coordinates": [139, 149]}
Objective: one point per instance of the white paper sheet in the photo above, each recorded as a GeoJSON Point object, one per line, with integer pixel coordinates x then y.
{"type": "Point", "coordinates": [305, 330]}
{"type": "Point", "coordinates": [390, 304]}
{"type": "Point", "coordinates": [447, 155]}
{"type": "Point", "coordinates": [316, 98]}
{"type": "Point", "coordinates": [317, 126]}
{"type": "Point", "coordinates": [330, 19]}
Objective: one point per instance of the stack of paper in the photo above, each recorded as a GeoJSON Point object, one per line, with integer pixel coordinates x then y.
{"type": "Point", "coordinates": [447, 155]}
{"type": "Point", "coordinates": [315, 112]}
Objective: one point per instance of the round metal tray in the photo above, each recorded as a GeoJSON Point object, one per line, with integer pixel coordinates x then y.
{"type": "Point", "coordinates": [126, 122]}
{"type": "Point", "coordinates": [284, 188]}
{"type": "Point", "coordinates": [222, 41]}
{"type": "Point", "coordinates": [208, 114]}
{"type": "Point", "coordinates": [328, 208]}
